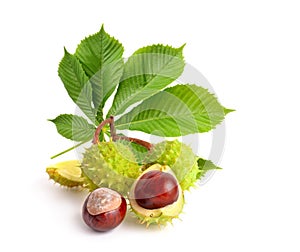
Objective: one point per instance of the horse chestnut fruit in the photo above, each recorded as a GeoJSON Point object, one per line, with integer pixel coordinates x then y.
{"type": "Point", "coordinates": [104, 209]}
{"type": "Point", "coordinates": [156, 196]}
{"type": "Point", "coordinates": [156, 189]}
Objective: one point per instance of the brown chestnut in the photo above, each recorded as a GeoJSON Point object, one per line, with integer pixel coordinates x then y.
{"type": "Point", "coordinates": [104, 209]}
{"type": "Point", "coordinates": [156, 189]}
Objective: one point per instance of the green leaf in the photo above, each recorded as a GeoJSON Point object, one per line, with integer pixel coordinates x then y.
{"type": "Point", "coordinates": [147, 71]}
{"type": "Point", "coordinates": [76, 83]}
{"type": "Point", "coordinates": [105, 81]}
{"type": "Point", "coordinates": [175, 111]}
{"type": "Point", "coordinates": [101, 58]}
{"type": "Point", "coordinates": [97, 50]}
{"type": "Point", "coordinates": [74, 127]}
{"type": "Point", "coordinates": [204, 166]}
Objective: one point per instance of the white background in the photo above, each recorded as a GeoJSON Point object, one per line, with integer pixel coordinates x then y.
{"type": "Point", "coordinates": [250, 53]}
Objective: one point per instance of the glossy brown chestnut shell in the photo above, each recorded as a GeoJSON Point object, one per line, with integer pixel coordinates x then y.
{"type": "Point", "coordinates": [104, 209]}
{"type": "Point", "coordinates": [156, 189]}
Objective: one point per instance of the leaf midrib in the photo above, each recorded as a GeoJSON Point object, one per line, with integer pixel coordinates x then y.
{"type": "Point", "coordinates": [181, 115]}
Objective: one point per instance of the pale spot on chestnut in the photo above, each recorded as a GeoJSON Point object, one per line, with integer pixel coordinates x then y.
{"type": "Point", "coordinates": [103, 200]}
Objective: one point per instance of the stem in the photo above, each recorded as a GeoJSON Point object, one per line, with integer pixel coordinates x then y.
{"type": "Point", "coordinates": [67, 150]}
{"type": "Point", "coordinates": [99, 128]}
{"type": "Point", "coordinates": [113, 132]}
{"type": "Point", "coordinates": [143, 143]}
{"type": "Point", "coordinates": [116, 137]}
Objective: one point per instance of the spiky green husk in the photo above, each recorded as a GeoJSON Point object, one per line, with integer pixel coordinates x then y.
{"type": "Point", "coordinates": [179, 157]}
{"type": "Point", "coordinates": [112, 165]}
{"type": "Point", "coordinates": [161, 216]}
{"type": "Point", "coordinates": [69, 174]}
{"type": "Point", "coordinates": [161, 220]}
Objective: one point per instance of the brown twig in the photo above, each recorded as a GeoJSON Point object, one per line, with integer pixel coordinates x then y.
{"type": "Point", "coordinates": [113, 132]}
{"type": "Point", "coordinates": [143, 143]}
{"type": "Point", "coordinates": [100, 127]}
{"type": "Point", "coordinates": [116, 137]}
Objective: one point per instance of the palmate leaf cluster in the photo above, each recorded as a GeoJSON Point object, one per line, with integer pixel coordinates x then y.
{"type": "Point", "coordinates": [143, 100]}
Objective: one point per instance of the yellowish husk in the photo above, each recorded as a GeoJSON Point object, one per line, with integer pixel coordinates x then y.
{"type": "Point", "coordinates": [160, 216]}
